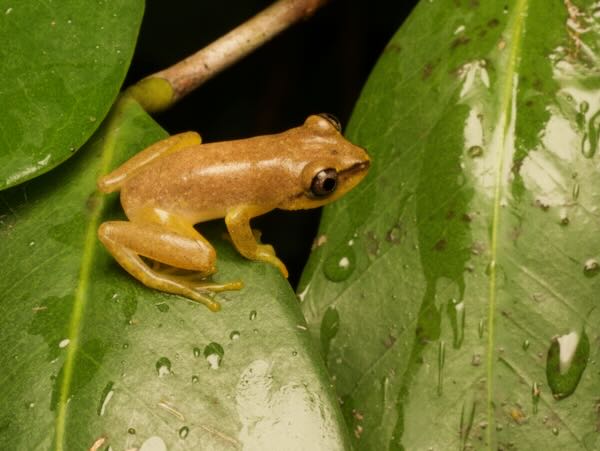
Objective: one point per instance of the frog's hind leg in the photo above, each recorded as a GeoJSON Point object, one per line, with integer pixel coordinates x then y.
{"type": "Point", "coordinates": [113, 181]}
{"type": "Point", "coordinates": [128, 242]}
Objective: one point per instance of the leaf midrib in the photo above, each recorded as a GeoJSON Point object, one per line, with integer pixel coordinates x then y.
{"type": "Point", "coordinates": [79, 303]}
{"type": "Point", "coordinates": [507, 94]}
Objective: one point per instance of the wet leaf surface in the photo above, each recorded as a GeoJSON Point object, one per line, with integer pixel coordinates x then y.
{"type": "Point", "coordinates": [93, 358]}
{"type": "Point", "coordinates": [451, 288]}
{"type": "Point", "coordinates": [62, 66]}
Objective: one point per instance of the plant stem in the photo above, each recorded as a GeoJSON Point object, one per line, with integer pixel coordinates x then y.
{"type": "Point", "coordinates": [186, 75]}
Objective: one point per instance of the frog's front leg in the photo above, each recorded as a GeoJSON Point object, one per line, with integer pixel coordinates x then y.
{"type": "Point", "coordinates": [238, 226]}
{"type": "Point", "coordinates": [127, 241]}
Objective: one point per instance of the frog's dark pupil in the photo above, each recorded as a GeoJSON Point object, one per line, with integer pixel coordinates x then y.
{"type": "Point", "coordinates": [324, 182]}
{"type": "Point", "coordinates": [329, 184]}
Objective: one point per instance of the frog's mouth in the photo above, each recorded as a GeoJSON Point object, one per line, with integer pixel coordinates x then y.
{"type": "Point", "coordinates": [355, 169]}
{"type": "Point", "coordinates": [350, 177]}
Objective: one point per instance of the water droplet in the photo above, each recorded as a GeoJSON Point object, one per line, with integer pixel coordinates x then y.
{"type": "Point", "coordinates": [525, 345]}
{"type": "Point", "coordinates": [456, 313]}
{"type": "Point", "coordinates": [575, 192]}
{"type": "Point", "coordinates": [197, 352]}
{"type": "Point", "coordinates": [294, 353]}
{"type": "Point", "coordinates": [195, 379]}
{"type": "Point", "coordinates": [32, 243]}
{"type": "Point", "coordinates": [480, 328]}
{"type": "Point", "coordinates": [566, 360]}
{"type": "Point", "coordinates": [162, 307]}
{"type": "Point", "coordinates": [591, 267]}
{"type": "Point", "coordinates": [330, 325]}
{"type": "Point", "coordinates": [339, 265]}
{"type": "Point", "coordinates": [394, 235]}
{"type": "Point", "coordinates": [476, 360]}
{"type": "Point", "coordinates": [163, 367]}
{"type": "Point", "coordinates": [555, 431]}
{"type": "Point", "coordinates": [8, 11]}
{"type": "Point", "coordinates": [214, 353]}
{"type": "Point", "coordinates": [564, 217]}
{"type": "Point", "coordinates": [183, 432]}
{"type": "Point", "coordinates": [491, 266]}
{"type": "Point", "coordinates": [64, 343]}
{"type": "Point", "coordinates": [235, 335]}
{"type": "Point", "coordinates": [441, 361]}
{"type": "Point", "coordinates": [131, 431]}
{"type": "Point", "coordinates": [252, 315]}
{"type": "Point", "coordinates": [584, 107]}
{"type": "Point", "coordinates": [107, 395]}
{"type": "Point", "coordinates": [589, 144]}
{"type": "Point", "coordinates": [125, 345]}
{"type": "Point", "coordinates": [92, 119]}
{"type": "Point", "coordinates": [372, 244]}
{"type": "Point", "coordinates": [475, 151]}
{"type": "Point", "coordinates": [535, 396]}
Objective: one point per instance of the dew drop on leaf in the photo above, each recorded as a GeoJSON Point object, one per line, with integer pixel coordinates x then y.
{"type": "Point", "coordinates": [214, 353]}
{"type": "Point", "coordinates": [566, 360]}
{"type": "Point", "coordinates": [330, 325]}
{"type": "Point", "coordinates": [535, 396]}
{"type": "Point", "coordinates": [234, 335]}
{"type": "Point", "coordinates": [591, 267]}
{"type": "Point", "coordinates": [340, 264]}
{"type": "Point", "coordinates": [475, 151]}
{"type": "Point", "coordinates": [441, 362]}
{"type": "Point", "coordinates": [183, 432]}
{"type": "Point", "coordinates": [163, 367]}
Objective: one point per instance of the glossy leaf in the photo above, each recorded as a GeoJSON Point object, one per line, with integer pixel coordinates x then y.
{"type": "Point", "coordinates": [474, 242]}
{"type": "Point", "coordinates": [63, 64]}
{"type": "Point", "coordinates": [94, 359]}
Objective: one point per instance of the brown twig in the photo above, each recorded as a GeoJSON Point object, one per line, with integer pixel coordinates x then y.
{"type": "Point", "coordinates": [188, 74]}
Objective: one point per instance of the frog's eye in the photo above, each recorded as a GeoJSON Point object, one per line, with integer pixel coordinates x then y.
{"type": "Point", "coordinates": [332, 120]}
{"type": "Point", "coordinates": [324, 183]}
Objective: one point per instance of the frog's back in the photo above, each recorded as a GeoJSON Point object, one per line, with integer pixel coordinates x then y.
{"type": "Point", "coordinates": [202, 182]}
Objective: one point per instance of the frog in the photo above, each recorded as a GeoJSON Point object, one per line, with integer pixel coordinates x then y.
{"type": "Point", "coordinates": [176, 183]}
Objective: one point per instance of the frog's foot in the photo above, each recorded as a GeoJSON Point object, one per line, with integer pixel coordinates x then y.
{"type": "Point", "coordinates": [266, 253]}
{"type": "Point", "coordinates": [244, 237]}
{"type": "Point", "coordinates": [127, 242]}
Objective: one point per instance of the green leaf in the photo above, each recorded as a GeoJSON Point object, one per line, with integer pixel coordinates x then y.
{"type": "Point", "coordinates": [474, 242]}
{"type": "Point", "coordinates": [62, 66]}
{"type": "Point", "coordinates": [92, 357]}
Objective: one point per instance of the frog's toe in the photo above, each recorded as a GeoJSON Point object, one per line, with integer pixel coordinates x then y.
{"type": "Point", "coordinates": [218, 287]}
{"type": "Point", "coordinates": [266, 250]}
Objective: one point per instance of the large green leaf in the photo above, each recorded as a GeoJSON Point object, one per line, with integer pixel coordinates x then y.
{"type": "Point", "coordinates": [91, 357]}
{"type": "Point", "coordinates": [446, 292]}
{"type": "Point", "coordinates": [63, 64]}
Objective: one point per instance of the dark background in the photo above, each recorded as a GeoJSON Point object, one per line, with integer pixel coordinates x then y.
{"type": "Point", "coordinates": [318, 65]}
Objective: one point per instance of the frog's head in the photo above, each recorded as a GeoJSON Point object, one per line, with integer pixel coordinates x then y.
{"type": "Point", "coordinates": [331, 165]}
